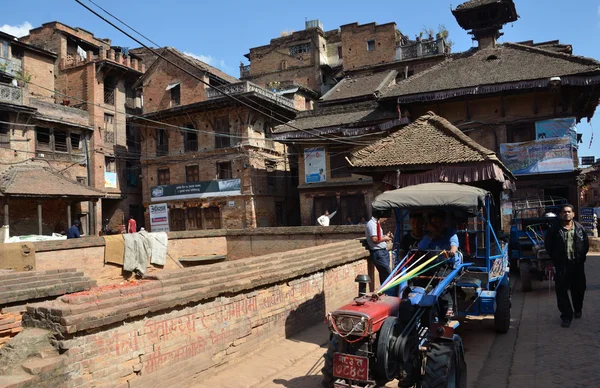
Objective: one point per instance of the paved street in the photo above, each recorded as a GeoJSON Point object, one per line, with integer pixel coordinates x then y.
{"type": "Point", "coordinates": [536, 352]}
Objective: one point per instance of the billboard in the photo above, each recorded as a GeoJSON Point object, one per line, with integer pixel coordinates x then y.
{"type": "Point", "coordinates": [315, 166]}
{"type": "Point", "coordinates": [159, 217]}
{"type": "Point", "coordinates": [206, 189]}
{"type": "Point", "coordinates": [550, 155]}
{"type": "Point", "coordinates": [561, 127]}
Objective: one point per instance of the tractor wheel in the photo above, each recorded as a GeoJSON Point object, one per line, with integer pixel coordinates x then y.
{"type": "Point", "coordinates": [336, 344]}
{"type": "Point", "coordinates": [502, 313]}
{"type": "Point", "coordinates": [445, 366]}
{"type": "Point", "coordinates": [388, 363]}
{"type": "Point", "coordinates": [525, 269]}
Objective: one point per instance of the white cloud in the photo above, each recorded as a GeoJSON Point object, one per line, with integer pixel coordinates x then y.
{"type": "Point", "coordinates": [18, 30]}
{"type": "Point", "coordinates": [219, 63]}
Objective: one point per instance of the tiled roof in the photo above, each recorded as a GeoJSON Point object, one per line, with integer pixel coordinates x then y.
{"type": "Point", "coordinates": [205, 66]}
{"type": "Point", "coordinates": [42, 182]}
{"type": "Point", "coordinates": [430, 140]}
{"type": "Point", "coordinates": [355, 114]}
{"type": "Point", "coordinates": [360, 85]}
{"type": "Point", "coordinates": [505, 64]}
{"type": "Point", "coordinates": [475, 3]}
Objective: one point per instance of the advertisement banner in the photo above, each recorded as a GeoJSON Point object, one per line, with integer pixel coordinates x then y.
{"type": "Point", "coordinates": [206, 189]}
{"type": "Point", "coordinates": [110, 180]}
{"type": "Point", "coordinates": [315, 166]}
{"type": "Point", "coordinates": [562, 127]}
{"type": "Point", "coordinates": [159, 217]}
{"type": "Point", "coordinates": [543, 156]}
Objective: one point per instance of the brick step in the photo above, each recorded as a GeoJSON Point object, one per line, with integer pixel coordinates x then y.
{"type": "Point", "coordinates": [17, 381]}
{"type": "Point", "coordinates": [46, 291]}
{"type": "Point", "coordinates": [120, 309]}
{"type": "Point", "coordinates": [96, 309]}
{"type": "Point", "coordinates": [37, 366]}
{"type": "Point", "coordinates": [22, 275]}
{"type": "Point", "coordinates": [45, 282]}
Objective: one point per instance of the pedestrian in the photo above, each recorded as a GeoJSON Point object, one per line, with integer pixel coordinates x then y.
{"type": "Point", "coordinates": [324, 219]}
{"type": "Point", "coordinates": [349, 220]}
{"type": "Point", "coordinates": [131, 225]}
{"type": "Point", "coordinates": [377, 243]}
{"type": "Point", "coordinates": [73, 231]}
{"type": "Point", "coordinates": [567, 244]}
{"type": "Point", "coordinates": [597, 214]}
{"type": "Point", "coordinates": [362, 221]}
{"type": "Point", "coordinates": [411, 239]}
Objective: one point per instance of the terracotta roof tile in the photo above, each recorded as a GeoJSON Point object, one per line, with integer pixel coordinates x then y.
{"type": "Point", "coordinates": [42, 182]}
{"type": "Point", "coordinates": [430, 140]}
{"type": "Point", "coordinates": [360, 85]}
{"type": "Point", "coordinates": [356, 114]}
{"type": "Point", "coordinates": [504, 64]}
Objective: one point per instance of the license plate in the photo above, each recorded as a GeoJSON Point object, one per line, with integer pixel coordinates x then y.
{"type": "Point", "coordinates": [347, 366]}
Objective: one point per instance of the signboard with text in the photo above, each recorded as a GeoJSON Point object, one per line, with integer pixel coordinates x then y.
{"type": "Point", "coordinates": [206, 189]}
{"type": "Point", "coordinates": [159, 217]}
{"type": "Point", "coordinates": [543, 156]}
{"type": "Point", "coordinates": [561, 127]}
{"type": "Point", "coordinates": [315, 166]}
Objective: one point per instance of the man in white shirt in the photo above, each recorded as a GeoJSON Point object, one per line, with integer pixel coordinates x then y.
{"type": "Point", "coordinates": [324, 219]}
{"type": "Point", "coordinates": [377, 242]}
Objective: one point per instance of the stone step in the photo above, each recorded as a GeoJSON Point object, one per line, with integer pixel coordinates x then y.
{"type": "Point", "coordinates": [38, 366]}
{"type": "Point", "coordinates": [37, 277]}
{"type": "Point", "coordinates": [17, 381]}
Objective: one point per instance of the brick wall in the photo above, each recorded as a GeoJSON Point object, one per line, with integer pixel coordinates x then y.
{"type": "Point", "coordinates": [41, 69]}
{"type": "Point", "coordinates": [236, 244]}
{"type": "Point", "coordinates": [354, 44]}
{"type": "Point", "coordinates": [160, 345]}
{"type": "Point", "coordinates": [156, 97]}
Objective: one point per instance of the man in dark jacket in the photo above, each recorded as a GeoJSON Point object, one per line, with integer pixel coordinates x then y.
{"type": "Point", "coordinates": [567, 244]}
{"type": "Point", "coordinates": [73, 231]}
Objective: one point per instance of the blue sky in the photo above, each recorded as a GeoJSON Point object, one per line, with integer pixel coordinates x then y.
{"type": "Point", "coordinates": [221, 32]}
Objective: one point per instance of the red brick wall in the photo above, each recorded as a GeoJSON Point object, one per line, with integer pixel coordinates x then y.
{"type": "Point", "coordinates": [41, 69]}
{"type": "Point", "coordinates": [354, 44]}
{"type": "Point", "coordinates": [176, 346]}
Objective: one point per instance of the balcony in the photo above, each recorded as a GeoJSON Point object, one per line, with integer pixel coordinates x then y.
{"type": "Point", "coordinates": [420, 49]}
{"type": "Point", "coordinates": [11, 94]}
{"type": "Point", "coordinates": [10, 66]}
{"type": "Point", "coordinates": [244, 71]}
{"type": "Point", "coordinates": [248, 87]}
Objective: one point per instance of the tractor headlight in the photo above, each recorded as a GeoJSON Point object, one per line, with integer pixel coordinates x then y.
{"type": "Point", "coordinates": [350, 325]}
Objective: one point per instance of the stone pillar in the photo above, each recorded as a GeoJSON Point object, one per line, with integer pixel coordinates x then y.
{"type": "Point", "coordinates": [39, 211]}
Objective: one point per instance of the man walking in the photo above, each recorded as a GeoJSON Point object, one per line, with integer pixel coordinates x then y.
{"type": "Point", "coordinates": [377, 242]}
{"type": "Point", "coordinates": [567, 244]}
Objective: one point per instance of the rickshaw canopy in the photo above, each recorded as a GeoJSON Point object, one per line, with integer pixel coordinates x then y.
{"type": "Point", "coordinates": [426, 196]}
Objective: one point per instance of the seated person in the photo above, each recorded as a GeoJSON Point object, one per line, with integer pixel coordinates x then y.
{"type": "Point", "coordinates": [440, 237]}
{"type": "Point", "coordinates": [411, 239]}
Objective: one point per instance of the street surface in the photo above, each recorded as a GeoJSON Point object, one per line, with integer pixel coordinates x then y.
{"type": "Point", "coordinates": [535, 353]}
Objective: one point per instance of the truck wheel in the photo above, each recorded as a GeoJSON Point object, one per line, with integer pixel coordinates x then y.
{"type": "Point", "coordinates": [445, 366]}
{"type": "Point", "coordinates": [502, 313]}
{"type": "Point", "coordinates": [336, 344]}
{"type": "Point", "coordinates": [525, 269]}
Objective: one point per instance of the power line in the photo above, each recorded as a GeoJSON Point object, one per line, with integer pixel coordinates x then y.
{"type": "Point", "coordinates": [198, 78]}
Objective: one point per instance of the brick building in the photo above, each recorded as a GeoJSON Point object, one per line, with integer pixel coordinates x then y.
{"type": "Point", "coordinates": [500, 95]}
{"type": "Point", "coordinates": [96, 77]}
{"type": "Point", "coordinates": [211, 159]}
{"type": "Point", "coordinates": [43, 158]}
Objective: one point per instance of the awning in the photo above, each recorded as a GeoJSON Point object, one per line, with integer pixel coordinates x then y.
{"type": "Point", "coordinates": [172, 85]}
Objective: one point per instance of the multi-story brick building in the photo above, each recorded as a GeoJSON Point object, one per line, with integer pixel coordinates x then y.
{"type": "Point", "coordinates": [43, 145]}
{"type": "Point", "coordinates": [207, 157]}
{"type": "Point", "coordinates": [97, 77]}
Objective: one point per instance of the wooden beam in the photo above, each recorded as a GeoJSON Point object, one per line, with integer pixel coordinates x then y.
{"type": "Point", "coordinates": [69, 220]}
{"type": "Point", "coordinates": [6, 219]}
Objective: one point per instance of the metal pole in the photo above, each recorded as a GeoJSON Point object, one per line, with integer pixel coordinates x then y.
{"type": "Point", "coordinates": [487, 234]}
{"type": "Point", "coordinates": [39, 208]}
